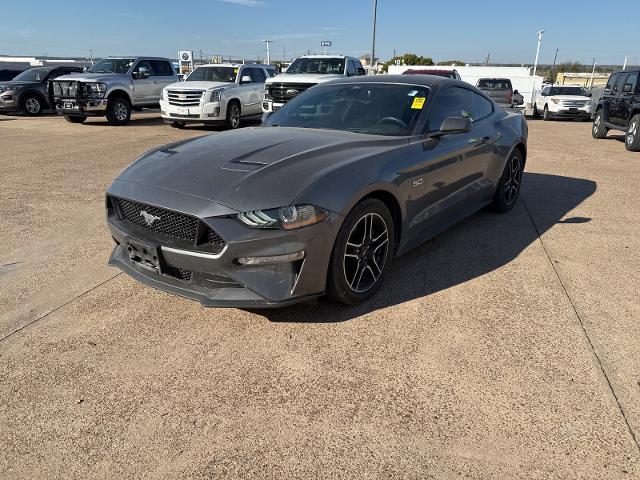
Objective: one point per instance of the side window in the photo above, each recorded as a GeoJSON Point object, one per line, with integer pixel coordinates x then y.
{"type": "Point", "coordinates": [351, 69]}
{"type": "Point", "coordinates": [631, 83]}
{"type": "Point", "coordinates": [270, 72]}
{"type": "Point", "coordinates": [360, 69]}
{"type": "Point", "coordinates": [452, 102]}
{"type": "Point", "coordinates": [545, 91]}
{"type": "Point", "coordinates": [257, 75]}
{"type": "Point", "coordinates": [612, 81]}
{"type": "Point", "coordinates": [619, 84]}
{"type": "Point", "coordinates": [143, 63]}
{"type": "Point", "coordinates": [161, 68]}
{"type": "Point", "coordinates": [484, 108]}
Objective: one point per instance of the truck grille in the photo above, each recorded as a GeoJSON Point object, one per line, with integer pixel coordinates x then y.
{"type": "Point", "coordinates": [283, 92]}
{"type": "Point", "coordinates": [167, 222]}
{"type": "Point", "coordinates": [574, 103]}
{"type": "Point", "coordinates": [185, 98]}
{"type": "Point", "coordinates": [65, 89]}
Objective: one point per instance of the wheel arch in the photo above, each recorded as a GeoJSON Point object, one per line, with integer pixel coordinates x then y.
{"type": "Point", "coordinates": [34, 93]}
{"type": "Point", "coordinates": [392, 203]}
{"type": "Point", "coordinates": [119, 93]}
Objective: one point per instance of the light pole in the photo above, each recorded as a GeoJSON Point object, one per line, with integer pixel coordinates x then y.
{"type": "Point", "coordinates": [535, 64]}
{"type": "Point", "coordinates": [624, 67]}
{"type": "Point", "coordinates": [268, 57]}
{"type": "Point", "coordinates": [373, 40]}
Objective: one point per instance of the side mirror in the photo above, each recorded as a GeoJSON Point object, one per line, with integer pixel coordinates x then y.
{"type": "Point", "coordinates": [627, 88]}
{"type": "Point", "coordinates": [361, 71]}
{"type": "Point", "coordinates": [245, 79]}
{"type": "Point", "coordinates": [543, 94]}
{"type": "Point", "coordinates": [516, 92]}
{"type": "Point", "coordinates": [453, 126]}
{"type": "Point", "coordinates": [141, 73]}
{"type": "Point", "coordinates": [589, 94]}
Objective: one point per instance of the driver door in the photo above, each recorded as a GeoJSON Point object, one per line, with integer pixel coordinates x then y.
{"type": "Point", "coordinates": [144, 88]}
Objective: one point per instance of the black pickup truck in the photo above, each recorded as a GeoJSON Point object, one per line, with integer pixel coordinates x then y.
{"type": "Point", "coordinates": [619, 109]}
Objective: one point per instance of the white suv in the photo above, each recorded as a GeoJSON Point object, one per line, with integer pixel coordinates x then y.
{"type": "Point", "coordinates": [563, 101]}
{"type": "Point", "coordinates": [216, 94]}
{"type": "Point", "coordinates": [305, 72]}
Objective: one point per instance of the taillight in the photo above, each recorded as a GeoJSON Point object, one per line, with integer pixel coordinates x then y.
{"type": "Point", "coordinates": [510, 96]}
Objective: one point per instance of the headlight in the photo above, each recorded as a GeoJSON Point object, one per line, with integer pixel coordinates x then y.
{"type": "Point", "coordinates": [285, 218]}
{"type": "Point", "coordinates": [95, 89]}
{"type": "Point", "coordinates": [216, 95]}
{"type": "Point", "coordinates": [555, 100]}
{"type": "Point", "coordinates": [265, 94]}
{"type": "Point", "coordinates": [162, 95]}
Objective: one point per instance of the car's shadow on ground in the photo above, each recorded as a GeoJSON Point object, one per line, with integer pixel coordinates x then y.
{"type": "Point", "coordinates": [482, 243]}
{"type": "Point", "coordinates": [619, 138]}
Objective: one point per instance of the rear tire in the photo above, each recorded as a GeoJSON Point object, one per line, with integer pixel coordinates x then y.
{"type": "Point", "coordinates": [536, 113]}
{"type": "Point", "coordinates": [598, 130]}
{"type": "Point", "coordinates": [32, 105]}
{"type": "Point", "coordinates": [233, 115]}
{"type": "Point", "coordinates": [509, 185]}
{"type": "Point", "coordinates": [75, 118]}
{"type": "Point", "coordinates": [362, 253]}
{"type": "Point", "coordinates": [632, 137]}
{"type": "Point", "coordinates": [118, 111]}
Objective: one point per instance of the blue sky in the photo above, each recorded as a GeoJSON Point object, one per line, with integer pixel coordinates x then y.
{"type": "Point", "coordinates": [444, 30]}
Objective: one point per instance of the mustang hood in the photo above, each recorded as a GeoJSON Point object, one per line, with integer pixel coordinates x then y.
{"type": "Point", "coordinates": [253, 168]}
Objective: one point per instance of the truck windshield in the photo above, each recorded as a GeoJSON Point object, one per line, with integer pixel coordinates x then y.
{"type": "Point", "coordinates": [567, 91]}
{"type": "Point", "coordinates": [317, 66]}
{"type": "Point", "coordinates": [32, 75]}
{"type": "Point", "coordinates": [112, 65]}
{"type": "Point", "coordinates": [377, 109]}
{"type": "Point", "coordinates": [213, 74]}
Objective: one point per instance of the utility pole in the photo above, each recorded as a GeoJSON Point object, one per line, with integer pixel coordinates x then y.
{"type": "Point", "coordinates": [553, 69]}
{"type": "Point", "coordinates": [535, 64]}
{"type": "Point", "coordinates": [486, 62]}
{"type": "Point", "coordinates": [373, 39]}
{"type": "Point", "coordinates": [91, 56]}
{"type": "Point", "coordinates": [624, 67]}
{"type": "Point", "coordinates": [593, 72]}
{"type": "Point", "coordinates": [268, 56]}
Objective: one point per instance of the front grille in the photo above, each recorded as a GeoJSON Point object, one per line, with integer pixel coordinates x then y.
{"type": "Point", "coordinates": [177, 115]}
{"type": "Point", "coordinates": [179, 273]}
{"type": "Point", "coordinates": [283, 92]}
{"type": "Point", "coordinates": [573, 103]}
{"type": "Point", "coordinates": [166, 222]}
{"type": "Point", "coordinates": [65, 89]}
{"type": "Point", "coordinates": [214, 239]}
{"type": "Point", "coordinates": [185, 98]}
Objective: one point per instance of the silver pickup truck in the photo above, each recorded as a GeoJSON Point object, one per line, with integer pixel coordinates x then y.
{"type": "Point", "coordinates": [112, 88]}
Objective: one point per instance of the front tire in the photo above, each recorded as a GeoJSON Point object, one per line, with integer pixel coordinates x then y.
{"type": "Point", "coordinates": [536, 113]}
{"type": "Point", "coordinates": [509, 185]}
{"type": "Point", "coordinates": [598, 130]}
{"type": "Point", "coordinates": [32, 105]}
{"type": "Point", "coordinates": [75, 118]}
{"type": "Point", "coordinates": [118, 111]}
{"type": "Point", "coordinates": [546, 116]}
{"type": "Point", "coordinates": [361, 254]}
{"type": "Point", "coordinates": [233, 115]}
{"type": "Point", "coordinates": [632, 138]}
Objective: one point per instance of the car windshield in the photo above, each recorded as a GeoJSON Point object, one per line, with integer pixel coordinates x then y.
{"type": "Point", "coordinates": [213, 74]}
{"type": "Point", "coordinates": [317, 66]}
{"type": "Point", "coordinates": [32, 75]}
{"type": "Point", "coordinates": [494, 84]}
{"type": "Point", "coordinates": [373, 108]}
{"type": "Point", "coordinates": [567, 91]}
{"type": "Point", "coordinates": [112, 65]}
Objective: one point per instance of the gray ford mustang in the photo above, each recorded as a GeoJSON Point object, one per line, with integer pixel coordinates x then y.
{"type": "Point", "coordinates": [321, 198]}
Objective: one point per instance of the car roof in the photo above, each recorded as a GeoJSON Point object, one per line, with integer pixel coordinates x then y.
{"type": "Point", "coordinates": [432, 81]}
{"type": "Point", "coordinates": [324, 56]}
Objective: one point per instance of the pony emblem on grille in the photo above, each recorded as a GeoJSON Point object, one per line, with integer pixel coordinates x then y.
{"type": "Point", "coordinates": [148, 218]}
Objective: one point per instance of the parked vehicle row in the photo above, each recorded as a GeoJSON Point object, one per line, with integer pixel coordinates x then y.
{"type": "Point", "coordinates": [563, 101]}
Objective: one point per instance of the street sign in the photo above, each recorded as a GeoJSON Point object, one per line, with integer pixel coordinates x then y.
{"type": "Point", "coordinates": [325, 43]}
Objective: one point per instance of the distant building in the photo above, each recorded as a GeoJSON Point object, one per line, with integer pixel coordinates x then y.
{"type": "Point", "coordinates": [583, 79]}
{"type": "Point", "coordinates": [28, 62]}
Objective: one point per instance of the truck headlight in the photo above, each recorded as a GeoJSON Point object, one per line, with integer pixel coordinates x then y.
{"type": "Point", "coordinates": [555, 100]}
{"type": "Point", "coordinates": [284, 218]}
{"type": "Point", "coordinates": [95, 89]}
{"type": "Point", "coordinates": [216, 95]}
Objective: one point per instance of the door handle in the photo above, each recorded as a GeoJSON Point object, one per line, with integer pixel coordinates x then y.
{"type": "Point", "coordinates": [489, 140]}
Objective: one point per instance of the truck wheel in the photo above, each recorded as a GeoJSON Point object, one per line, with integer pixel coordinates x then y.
{"type": "Point", "coordinates": [118, 111]}
{"type": "Point", "coordinates": [32, 105]}
{"type": "Point", "coordinates": [75, 118]}
{"type": "Point", "coordinates": [536, 113]}
{"type": "Point", "coordinates": [546, 116]}
{"type": "Point", "coordinates": [599, 130]}
{"type": "Point", "coordinates": [632, 138]}
{"type": "Point", "coordinates": [178, 124]}
{"type": "Point", "coordinates": [233, 115]}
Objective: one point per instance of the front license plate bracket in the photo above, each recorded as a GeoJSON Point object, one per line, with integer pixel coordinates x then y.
{"type": "Point", "coordinates": [143, 254]}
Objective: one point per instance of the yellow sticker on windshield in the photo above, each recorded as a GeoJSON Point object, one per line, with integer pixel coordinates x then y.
{"type": "Point", "coordinates": [418, 103]}
{"type": "Point", "coordinates": [235, 70]}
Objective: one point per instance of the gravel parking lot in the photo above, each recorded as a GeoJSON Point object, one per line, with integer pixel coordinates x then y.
{"type": "Point", "coordinates": [507, 347]}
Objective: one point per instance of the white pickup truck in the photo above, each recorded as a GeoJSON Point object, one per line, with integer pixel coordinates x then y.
{"type": "Point", "coordinates": [216, 94]}
{"type": "Point", "coordinates": [563, 101]}
{"type": "Point", "coordinates": [305, 72]}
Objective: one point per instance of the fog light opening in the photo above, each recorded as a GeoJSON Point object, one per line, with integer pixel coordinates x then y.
{"type": "Point", "coordinates": [289, 257]}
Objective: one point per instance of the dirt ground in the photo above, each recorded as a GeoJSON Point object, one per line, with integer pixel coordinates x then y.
{"type": "Point", "coordinates": [505, 348]}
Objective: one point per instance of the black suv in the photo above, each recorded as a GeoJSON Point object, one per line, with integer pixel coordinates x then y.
{"type": "Point", "coordinates": [619, 109]}
{"type": "Point", "coordinates": [29, 92]}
